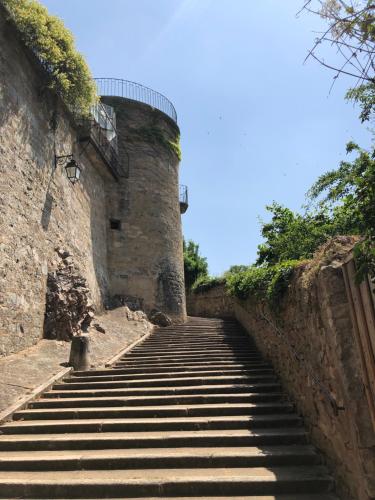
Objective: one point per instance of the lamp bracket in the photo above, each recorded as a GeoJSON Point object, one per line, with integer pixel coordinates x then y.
{"type": "Point", "coordinates": [60, 160]}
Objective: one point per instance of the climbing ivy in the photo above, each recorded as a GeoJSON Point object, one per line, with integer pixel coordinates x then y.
{"type": "Point", "coordinates": [53, 45]}
{"type": "Point", "coordinates": [155, 135]}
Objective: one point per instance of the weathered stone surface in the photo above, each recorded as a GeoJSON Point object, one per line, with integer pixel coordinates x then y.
{"type": "Point", "coordinates": [160, 319]}
{"type": "Point", "coordinates": [26, 370]}
{"type": "Point", "coordinates": [213, 303]}
{"type": "Point", "coordinates": [68, 304]}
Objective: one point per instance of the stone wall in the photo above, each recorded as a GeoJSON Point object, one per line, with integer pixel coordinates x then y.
{"type": "Point", "coordinates": [314, 321]}
{"type": "Point", "coordinates": [145, 250]}
{"type": "Point", "coordinates": [40, 209]}
{"type": "Point", "coordinates": [213, 303]}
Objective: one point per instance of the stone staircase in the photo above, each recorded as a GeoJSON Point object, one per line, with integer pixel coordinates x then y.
{"type": "Point", "coordinates": [192, 412]}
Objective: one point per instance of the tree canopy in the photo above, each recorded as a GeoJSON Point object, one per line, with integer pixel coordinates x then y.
{"type": "Point", "coordinates": [195, 266]}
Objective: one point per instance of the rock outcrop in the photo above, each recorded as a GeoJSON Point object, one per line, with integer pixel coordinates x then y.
{"type": "Point", "coordinates": [68, 304]}
{"type": "Point", "coordinates": [159, 318]}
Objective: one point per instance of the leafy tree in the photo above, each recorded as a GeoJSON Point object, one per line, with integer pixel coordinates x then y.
{"type": "Point", "coordinates": [238, 268]}
{"type": "Point", "coordinates": [292, 236]}
{"type": "Point", "coordinates": [53, 45]}
{"type": "Point", "coordinates": [195, 266]}
{"type": "Point", "coordinates": [353, 186]}
{"type": "Point", "coordinates": [351, 30]}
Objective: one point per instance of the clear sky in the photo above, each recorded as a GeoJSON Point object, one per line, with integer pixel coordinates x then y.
{"type": "Point", "coordinates": [257, 124]}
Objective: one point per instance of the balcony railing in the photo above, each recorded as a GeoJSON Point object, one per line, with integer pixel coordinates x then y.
{"type": "Point", "coordinates": [100, 130]}
{"type": "Point", "coordinates": [184, 199]}
{"type": "Point", "coordinates": [135, 92]}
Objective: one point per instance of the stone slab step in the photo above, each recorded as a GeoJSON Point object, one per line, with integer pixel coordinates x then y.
{"type": "Point", "coordinates": [157, 458]}
{"type": "Point", "coordinates": [160, 439]}
{"type": "Point", "coordinates": [197, 346]}
{"type": "Point", "coordinates": [173, 369]}
{"type": "Point", "coordinates": [160, 391]}
{"type": "Point", "coordinates": [113, 375]}
{"type": "Point", "coordinates": [184, 344]}
{"type": "Point", "coordinates": [156, 411]}
{"type": "Point", "coordinates": [192, 357]}
{"type": "Point", "coordinates": [168, 382]}
{"type": "Point", "coordinates": [171, 364]}
{"type": "Point", "coordinates": [159, 400]}
{"type": "Point", "coordinates": [241, 497]}
{"type": "Point", "coordinates": [152, 424]}
{"type": "Point", "coordinates": [127, 483]}
{"type": "Point", "coordinates": [207, 350]}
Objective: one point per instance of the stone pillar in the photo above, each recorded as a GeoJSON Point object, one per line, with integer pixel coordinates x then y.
{"type": "Point", "coordinates": [145, 242]}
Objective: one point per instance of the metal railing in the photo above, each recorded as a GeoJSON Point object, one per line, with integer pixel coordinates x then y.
{"type": "Point", "coordinates": [100, 130]}
{"type": "Point", "coordinates": [184, 198]}
{"type": "Point", "coordinates": [136, 92]}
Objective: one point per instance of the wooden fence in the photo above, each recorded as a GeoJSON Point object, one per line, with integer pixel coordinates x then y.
{"type": "Point", "coordinates": [362, 309]}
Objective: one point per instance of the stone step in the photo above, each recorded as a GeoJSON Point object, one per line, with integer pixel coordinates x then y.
{"type": "Point", "coordinates": [114, 375]}
{"type": "Point", "coordinates": [201, 338]}
{"type": "Point", "coordinates": [183, 423]}
{"type": "Point", "coordinates": [185, 344]}
{"type": "Point", "coordinates": [75, 401]}
{"type": "Point", "coordinates": [208, 352]}
{"type": "Point", "coordinates": [157, 343]}
{"type": "Point", "coordinates": [166, 482]}
{"type": "Point", "coordinates": [159, 391]}
{"type": "Point", "coordinates": [170, 363]}
{"type": "Point", "coordinates": [192, 412]}
{"type": "Point", "coordinates": [241, 497]}
{"type": "Point", "coordinates": [161, 439]}
{"type": "Point", "coordinates": [157, 458]}
{"type": "Point", "coordinates": [173, 369]}
{"type": "Point", "coordinates": [169, 382]}
{"type": "Point", "coordinates": [191, 357]}
{"type": "Point", "coordinates": [212, 349]}
{"type": "Point", "coordinates": [156, 411]}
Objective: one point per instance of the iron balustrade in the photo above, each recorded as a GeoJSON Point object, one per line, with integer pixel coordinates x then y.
{"type": "Point", "coordinates": [117, 87]}
{"type": "Point", "coordinates": [184, 198]}
{"type": "Point", "coordinates": [100, 129]}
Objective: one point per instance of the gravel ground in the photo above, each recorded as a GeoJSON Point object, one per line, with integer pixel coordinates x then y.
{"type": "Point", "coordinates": [22, 372]}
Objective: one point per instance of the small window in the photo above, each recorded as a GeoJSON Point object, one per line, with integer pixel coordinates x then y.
{"type": "Point", "coordinates": [115, 224]}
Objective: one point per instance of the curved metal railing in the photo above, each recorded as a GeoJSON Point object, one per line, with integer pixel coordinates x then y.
{"type": "Point", "coordinates": [136, 92]}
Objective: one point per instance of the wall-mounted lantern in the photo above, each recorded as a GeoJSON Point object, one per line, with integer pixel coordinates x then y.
{"type": "Point", "coordinates": [72, 169]}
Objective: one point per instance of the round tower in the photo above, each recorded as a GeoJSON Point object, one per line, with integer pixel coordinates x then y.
{"type": "Point", "coordinates": [145, 255]}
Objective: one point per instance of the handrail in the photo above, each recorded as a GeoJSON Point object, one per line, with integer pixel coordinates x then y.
{"type": "Point", "coordinates": [184, 197]}
{"type": "Point", "coordinates": [136, 92]}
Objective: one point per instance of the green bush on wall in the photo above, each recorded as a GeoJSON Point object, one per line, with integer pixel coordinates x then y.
{"type": "Point", "coordinates": [204, 283]}
{"type": "Point", "coordinates": [53, 45]}
{"type": "Point", "coordinates": [264, 283]}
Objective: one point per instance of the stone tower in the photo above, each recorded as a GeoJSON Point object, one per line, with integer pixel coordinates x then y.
{"type": "Point", "coordinates": [145, 256]}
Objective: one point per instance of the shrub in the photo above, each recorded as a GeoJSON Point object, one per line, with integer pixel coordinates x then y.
{"type": "Point", "coordinates": [263, 283]}
{"type": "Point", "coordinates": [53, 45]}
{"type": "Point", "coordinates": [195, 266]}
{"type": "Point", "coordinates": [204, 283]}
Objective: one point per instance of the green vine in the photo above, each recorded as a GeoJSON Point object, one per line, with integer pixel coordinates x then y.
{"type": "Point", "coordinates": [156, 136]}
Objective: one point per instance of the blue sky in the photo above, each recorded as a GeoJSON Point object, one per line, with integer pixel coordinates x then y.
{"type": "Point", "coordinates": [257, 124]}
